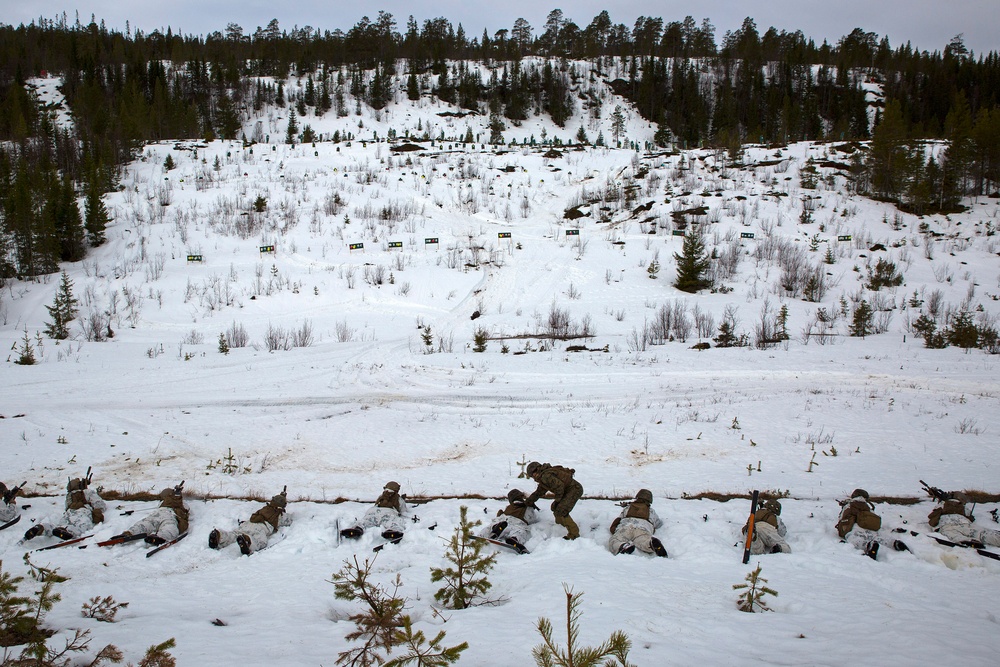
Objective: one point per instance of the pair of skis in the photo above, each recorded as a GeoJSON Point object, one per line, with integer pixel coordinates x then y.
{"type": "Point", "coordinates": [518, 549]}
{"type": "Point", "coordinates": [116, 540]}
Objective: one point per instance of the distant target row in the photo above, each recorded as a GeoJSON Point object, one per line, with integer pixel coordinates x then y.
{"type": "Point", "coordinates": [634, 528]}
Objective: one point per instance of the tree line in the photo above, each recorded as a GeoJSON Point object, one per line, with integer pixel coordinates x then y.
{"type": "Point", "coordinates": [128, 87]}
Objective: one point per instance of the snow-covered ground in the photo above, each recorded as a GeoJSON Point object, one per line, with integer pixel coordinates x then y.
{"type": "Point", "coordinates": [367, 400]}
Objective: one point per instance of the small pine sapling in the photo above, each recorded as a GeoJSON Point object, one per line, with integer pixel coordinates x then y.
{"type": "Point", "coordinates": [465, 581]}
{"type": "Point", "coordinates": [752, 598]}
{"type": "Point", "coordinates": [102, 609]}
{"type": "Point", "coordinates": [613, 652]}
{"type": "Point", "coordinates": [223, 344]}
{"type": "Point", "coordinates": [62, 311]}
{"type": "Point", "coordinates": [422, 653]}
{"type": "Point", "coordinates": [26, 352]}
{"type": "Point", "coordinates": [479, 338]}
{"type": "Point", "coordinates": [376, 627]}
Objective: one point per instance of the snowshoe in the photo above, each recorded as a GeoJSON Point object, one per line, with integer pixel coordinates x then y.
{"type": "Point", "coordinates": [871, 550]}
{"type": "Point", "coordinates": [352, 533]}
{"type": "Point", "coordinates": [62, 533]}
{"type": "Point", "coordinates": [244, 543]}
{"type": "Point", "coordinates": [34, 532]}
{"type": "Point", "coordinates": [899, 545]}
{"type": "Point", "coordinates": [658, 548]}
{"type": "Point", "coordinates": [626, 548]}
{"type": "Point", "coordinates": [213, 539]}
{"type": "Point", "coordinates": [154, 540]}
{"type": "Point", "coordinates": [497, 530]}
{"type": "Point", "coordinates": [392, 535]}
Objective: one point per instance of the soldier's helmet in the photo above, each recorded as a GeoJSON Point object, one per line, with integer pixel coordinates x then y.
{"type": "Point", "coordinates": [279, 500]}
{"type": "Point", "coordinates": [76, 484]}
{"type": "Point", "coordinates": [393, 486]}
{"type": "Point", "coordinates": [515, 495]}
{"type": "Point", "coordinates": [644, 496]}
{"type": "Point", "coordinates": [859, 493]}
{"type": "Point", "coordinates": [533, 468]}
{"type": "Point", "coordinates": [773, 505]}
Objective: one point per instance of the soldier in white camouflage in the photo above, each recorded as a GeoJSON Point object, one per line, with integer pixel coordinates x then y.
{"type": "Point", "coordinates": [84, 509]}
{"type": "Point", "coordinates": [768, 530]}
{"type": "Point", "coordinates": [859, 525]}
{"type": "Point", "coordinates": [387, 514]}
{"type": "Point", "coordinates": [252, 535]}
{"type": "Point", "coordinates": [956, 522]}
{"type": "Point", "coordinates": [511, 523]}
{"type": "Point", "coordinates": [634, 527]}
{"type": "Point", "coordinates": [166, 522]}
{"type": "Point", "coordinates": [8, 508]}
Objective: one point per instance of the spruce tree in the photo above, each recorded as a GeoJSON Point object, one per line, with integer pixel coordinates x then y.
{"type": "Point", "coordinates": [62, 311]}
{"type": "Point", "coordinates": [95, 215]}
{"type": "Point", "coordinates": [861, 322]}
{"type": "Point", "coordinates": [293, 128]}
{"type": "Point", "coordinates": [692, 264]}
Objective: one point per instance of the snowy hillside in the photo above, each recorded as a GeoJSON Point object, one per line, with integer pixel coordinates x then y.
{"type": "Point", "coordinates": [358, 277]}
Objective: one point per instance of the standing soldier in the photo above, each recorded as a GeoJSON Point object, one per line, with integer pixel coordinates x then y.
{"type": "Point", "coordinates": [84, 509]}
{"type": "Point", "coordinates": [558, 481]}
{"type": "Point", "coordinates": [955, 522]}
{"type": "Point", "coordinates": [634, 527]}
{"type": "Point", "coordinates": [860, 525]}
{"type": "Point", "coordinates": [768, 530]}
{"type": "Point", "coordinates": [387, 513]}
{"type": "Point", "coordinates": [164, 523]}
{"type": "Point", "coordinates": [511, 524]}
{"type": "Point", "coordinates": [252, 535]}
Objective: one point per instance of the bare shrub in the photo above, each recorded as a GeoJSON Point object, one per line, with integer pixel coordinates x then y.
{"type": "Point", "coordinates": [345, 333]}
{"type": "Point", "coordinates": [303, 336]}
{"type": "Point", "coordinates": [236, 335]}
{"type": "Point", "coordinates": [276, 338]}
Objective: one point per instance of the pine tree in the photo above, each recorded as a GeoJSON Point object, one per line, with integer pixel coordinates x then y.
{"type": "Point", "coordinates": [692, 264]}
{"type": "Point", "coordinates": [465, 581]}
{"type": "Point", "coordinates": [62, 311]}
{"type": "Point", "coordinates": [95, 215]}
{"type": "Point", "coordinates": [612, 653]}
{"type": "Point", "coordinates": [617, 123]}
{"type": "Point", "coordinates": [422, 653]}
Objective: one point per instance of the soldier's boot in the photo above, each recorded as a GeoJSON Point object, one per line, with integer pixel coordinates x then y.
{"type": "Point", "coordinates": [572, 530]}
{"type": "Point", "coordinates": [213, 539]}
{"type": "Point", "coordinates": [899, 545]}
{"type": "Point", "coordinates": [658, 548]}
{"type": "Point", "coordinates": [154, 540]}
{"type": "Point", "coordinates": [34, 532]}
{"type": "Point", "coordinates": [518, 547]}
{"type": "Point", "coordinates": [62, 533]}
{"type": "Point", "coordinates": [352, 533]}
{"type": "Point", "coordinates": [497, 530]}
{"type": "Point", "coordinates": [392, 535]}
{"type": "Point", "coordinates": [626, 548]}
{"type": "Point", "coordinates": [244, 543]}
{"type": "Point", "coordinates": [871, 550]}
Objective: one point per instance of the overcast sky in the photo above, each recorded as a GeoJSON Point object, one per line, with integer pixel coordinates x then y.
{"type": "Point", "coordinates": [926, 24]}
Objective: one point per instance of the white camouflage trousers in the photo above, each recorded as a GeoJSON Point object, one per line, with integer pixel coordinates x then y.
{"type": "Point", "coordinates": [638, 534]}
{"type": "Point", "coordinates": [516, 529]}
{"type": "Point", "coordinates": [161, 522]}
{"type": "Point", "coordinates": [958, 529]}
{"type": "Point", "coordinates": [765, 538]}
{"type": "Point", "coordinates": [257, 532]}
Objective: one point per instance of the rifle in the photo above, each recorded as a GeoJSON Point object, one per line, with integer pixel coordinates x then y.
{"type": "Point", "coordinates": [936, 493]}
{"type": "Point", "coordinates": [9, 496]}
